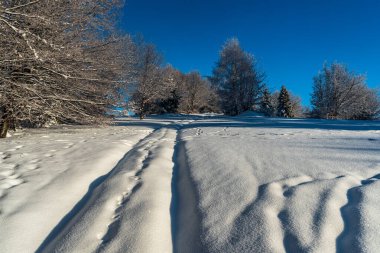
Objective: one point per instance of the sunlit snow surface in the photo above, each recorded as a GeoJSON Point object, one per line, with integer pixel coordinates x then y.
{"type": "Point", "coordinates": [198, 183]}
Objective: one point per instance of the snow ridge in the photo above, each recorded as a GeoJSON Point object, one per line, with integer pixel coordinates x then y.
{"type": "Point", "coordinates": [357, 215]}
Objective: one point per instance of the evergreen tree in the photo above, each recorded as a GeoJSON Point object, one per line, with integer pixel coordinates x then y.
{"type": "Point", "coordinates": [284, 108]}
{"type": "Point", "coordinates": [266, 105]}
{"type": "Point", "coordinates": [170, 104]}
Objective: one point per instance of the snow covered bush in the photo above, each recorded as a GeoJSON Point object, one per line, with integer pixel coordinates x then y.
{"type": "Point", "coordinates": [341, 94]}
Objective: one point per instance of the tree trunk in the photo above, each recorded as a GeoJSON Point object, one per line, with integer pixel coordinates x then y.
{"type": "Point", "coordinates": [142, 109]}
{"type": "Point", "coordinates": [4, 126]}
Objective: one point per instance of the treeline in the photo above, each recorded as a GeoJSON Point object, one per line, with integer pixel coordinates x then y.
{"type": "Point", "coordinates": [67, 62]}
{"type": "Point", "coordinates": [337, 92]}
{"type": "Point", "coordinates": [239, 82]}
{"type": "Point", "coordinates": [158, 89]}
{"type": "Point", "coordinates": [237, 85]}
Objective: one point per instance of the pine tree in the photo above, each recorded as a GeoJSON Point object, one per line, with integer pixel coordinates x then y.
{"type": "Point", "coordinates": [284, 108]}
{"type": "Point", "coordinates": [170, 104]}
{"type": "Point", "coordinates": [266, 105]}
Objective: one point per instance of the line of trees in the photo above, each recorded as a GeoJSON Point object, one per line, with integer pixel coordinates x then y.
{"type": "Point", "coordinates": [281, 104]}
{"type": "Point", "coordinates": [239, 83]}
{"type": "Point", "coordinates": [66, 62]}
{"type": "Point", "coordinates": [337, 92]}
{"type": "Point", "coordinates": [163, 89]}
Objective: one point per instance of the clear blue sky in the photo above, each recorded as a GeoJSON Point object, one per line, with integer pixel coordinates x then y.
{"type": "Point", "coordinates": [290, 38]}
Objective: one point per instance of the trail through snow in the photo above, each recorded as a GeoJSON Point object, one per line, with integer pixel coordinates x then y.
{"type": "Point", "coordinates": [193, 184]}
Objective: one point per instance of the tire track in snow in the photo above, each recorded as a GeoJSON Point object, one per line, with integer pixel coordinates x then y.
{"type": "Point", "coordinates": [184, 214]}
{"type": "Point", "coordinates": [105, 198]}
{"type": "Point", "coordinates": [114, 227]}
{"type": "Point", "coordinates": [146, 218]}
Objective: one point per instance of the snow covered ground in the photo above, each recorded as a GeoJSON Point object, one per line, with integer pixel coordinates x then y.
{"type": "Point", "coordinates": [193, 184]}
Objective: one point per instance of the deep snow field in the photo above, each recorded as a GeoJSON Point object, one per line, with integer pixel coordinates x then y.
{"type": "Point", "coordinates": [193, 184]}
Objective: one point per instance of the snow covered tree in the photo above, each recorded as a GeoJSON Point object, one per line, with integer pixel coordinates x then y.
{"type": "Point", "coordinates": [266, 105]}
{"type": "Point", "coordinates": [60, 61]}
{"type": "Point", "coordinates": [153, 83]}
{"type": "Point", "coordinates": [284, 107]}
{"type": "Point", "coordinates": [170, 102]}
{"type": "Point", "coordinates": [297, 109]}
{"type": "Point", "coordinates": [237, 78]}
{"type": "Point", "coordinates": [195, 92]}
{"type": "Point", "coordinates": [341, 94]}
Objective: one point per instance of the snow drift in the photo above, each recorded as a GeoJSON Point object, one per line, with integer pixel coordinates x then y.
{"type": "Point", "coordinates": [193, 184]}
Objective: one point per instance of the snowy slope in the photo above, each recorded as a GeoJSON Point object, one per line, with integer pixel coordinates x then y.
{"type": "Point", "coordinates": [193, 184]}
{"type": "Point", "coordinates": [270, 185]}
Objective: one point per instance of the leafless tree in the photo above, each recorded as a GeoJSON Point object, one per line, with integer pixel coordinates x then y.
{"type": "Point", "coordinates": [195, 93]}
{"type": "Point", "coordinates": [237, 78]}
{"type": "Point", "coordinates": [297, 109]}
{"type": "Point", "coordinates": [150, 84]}
{"type": "Point", "coordinates": [341, 94]}
{"type": "Point", "coordinates": [173, 79]}
{"type": "Point", "coordinates": [60, 61]}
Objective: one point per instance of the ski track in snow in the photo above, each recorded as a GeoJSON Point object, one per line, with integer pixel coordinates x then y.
{"type": "Point", "coordinates": [110, 199]}
{"type": "Point", "coordinates": [198, 184]}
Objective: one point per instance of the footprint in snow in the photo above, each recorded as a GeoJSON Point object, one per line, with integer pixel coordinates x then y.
{"type": "Point", "coordinates": [15, 148]}
{"type": "Point", "coordinates": [10, 182]}
{"type": "Point", "coordinates": [35, 161]}
{"type": "Point", "coordinates": [8, 166]}
{"type": "Point", "coordinates": [6, 156]}
{"type": "Point", "coordinates": [69, 145]}
{"type": "Point", "coordinates": [6, 173]}
{"type": "Point", "coordinates": [31, 166]}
